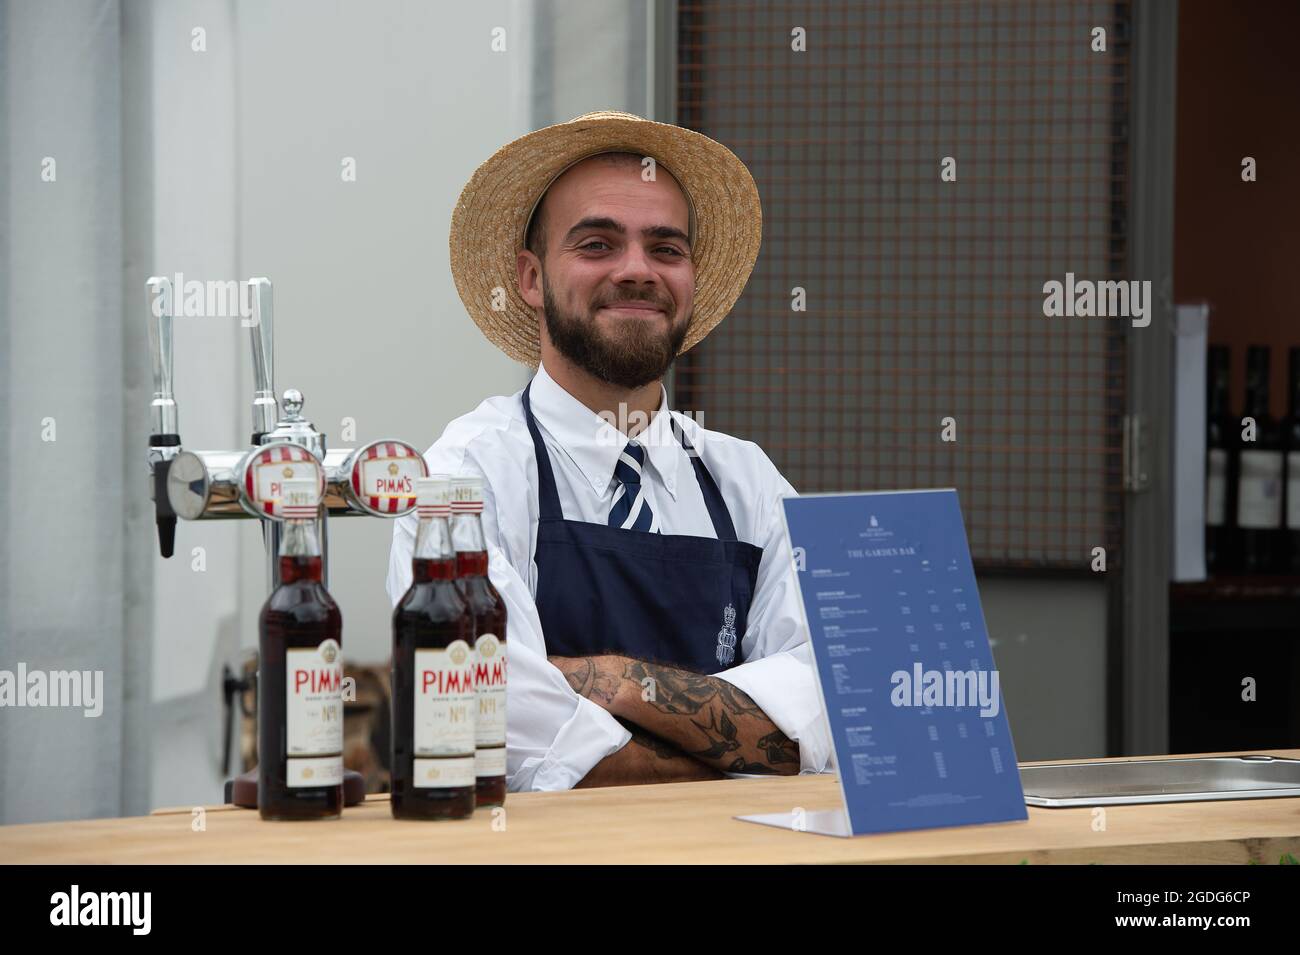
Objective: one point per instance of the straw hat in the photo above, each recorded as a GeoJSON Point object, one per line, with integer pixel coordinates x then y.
{"type": "Point", "coordinates": [488, 225]}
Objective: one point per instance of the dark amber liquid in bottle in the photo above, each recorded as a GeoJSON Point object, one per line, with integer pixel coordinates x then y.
{"type": "Point", "coordinates": [299, 613]}
{"type": "Point", "coordinates": [489, 617]}
{"type": "Point", "coordinates": [431, 615]}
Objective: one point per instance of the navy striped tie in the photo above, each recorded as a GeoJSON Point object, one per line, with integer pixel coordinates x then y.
{"type": "Point", "coordinates": [630, 510]}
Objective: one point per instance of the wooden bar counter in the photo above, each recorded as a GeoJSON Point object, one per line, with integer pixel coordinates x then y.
{"type": "Point", "coordinates": [671, 823]}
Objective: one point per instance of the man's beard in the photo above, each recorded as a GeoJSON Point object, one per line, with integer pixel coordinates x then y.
{"type": "Point", "coordinates": [642, 351]}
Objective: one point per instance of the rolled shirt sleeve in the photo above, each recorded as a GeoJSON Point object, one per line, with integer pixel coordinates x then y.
{"type": "Point", "coordinates": [784, 685]}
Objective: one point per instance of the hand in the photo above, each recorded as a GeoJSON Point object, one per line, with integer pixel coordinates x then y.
{"type": "Point", "coordinates": [597, 678]}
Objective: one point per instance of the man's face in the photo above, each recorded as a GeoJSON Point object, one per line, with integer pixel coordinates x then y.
{"type": "Point", "coordinates": [617, 283]}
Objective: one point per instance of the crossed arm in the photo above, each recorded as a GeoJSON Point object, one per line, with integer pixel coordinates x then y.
{"type": "Point", "coordinates": [684, 725]}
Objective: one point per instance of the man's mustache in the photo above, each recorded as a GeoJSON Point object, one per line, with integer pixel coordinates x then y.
{"type": "Point", "coordinates": [656, 302]}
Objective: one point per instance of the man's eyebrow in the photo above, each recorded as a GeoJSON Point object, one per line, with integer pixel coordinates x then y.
{"type": "Point", "coordinates": [613, 225]}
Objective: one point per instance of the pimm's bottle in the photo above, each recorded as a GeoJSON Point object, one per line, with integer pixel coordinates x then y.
{"type": "Point", "coordinates": [300, 675]}
{"type": "Point", "coordinates": [489, 638]}
{"type": "Point", "coordinates": [434, 705]}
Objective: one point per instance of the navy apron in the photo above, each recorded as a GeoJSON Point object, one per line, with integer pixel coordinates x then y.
{"type": "Point", "coordinates": [667, 598]}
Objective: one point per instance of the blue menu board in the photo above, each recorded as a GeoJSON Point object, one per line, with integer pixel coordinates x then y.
{"type": "Point", "coordinates": [903, 660]}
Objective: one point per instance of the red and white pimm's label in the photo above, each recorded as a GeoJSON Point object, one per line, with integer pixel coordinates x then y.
{"type": "Point", "coordinates": [448, 773]}
{"type": "Point", "coordinates": [314, 771]}
{"type": "Point", "coordinates": [384, 476]}
{"type": "Point", "coordinates": [490, 762]}
{"type": "Point", "coordinates": [265, 476]}
{"type": "Point", "coordinates": [490, 688]}
{"type": "Point", "coordinates": [445, 707]}
{"type": "Point", "coordinates": [314, 714]}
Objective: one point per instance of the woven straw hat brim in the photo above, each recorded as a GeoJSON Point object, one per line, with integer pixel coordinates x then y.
{"type": "Point", "coordinates": [488, 223]}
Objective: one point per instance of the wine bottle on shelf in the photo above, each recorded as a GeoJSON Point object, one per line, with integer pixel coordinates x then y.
{"type": "Point", "coordinates": [1292, 439]}
{"type": "Point", "coordinates": [1218, 530]}
{"type": "Point", "coordinates": [1259, 486]}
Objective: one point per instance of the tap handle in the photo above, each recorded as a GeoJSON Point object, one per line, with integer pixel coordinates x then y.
{"type": "Point", "coordinates": [262, 336]}
{"type": "Point", "coordinates": [164, 437]}
{"type": "Point", "coordinates": [162, 410]}
{"type": "Point", "coordinates": [164, 515]}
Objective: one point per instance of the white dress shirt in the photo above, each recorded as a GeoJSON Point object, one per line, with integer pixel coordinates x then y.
{"type": "Point", "coordinates": [554, 736]}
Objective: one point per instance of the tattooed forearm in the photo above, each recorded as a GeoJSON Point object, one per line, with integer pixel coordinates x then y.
{"type": "Point", "coordinates": [647, 759]}
{"type": "Point", "coordinates": [708, 718]}
{"type": "Point", "coordinates": [779, 748]}
{"type": "Point", "coordinates": [673, 690]}
{"type": "Point", "coordinates": [698, 716]}
{"type": "Point", "coordinates": [591, 677]}
{"type": "Point", "coordinates": [777, 752]}
{"type": "Point", "coordinates": [651, 743]}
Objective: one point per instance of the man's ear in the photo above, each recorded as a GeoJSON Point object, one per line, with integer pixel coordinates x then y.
{"type": "Point", "coordinates": [528, 270]}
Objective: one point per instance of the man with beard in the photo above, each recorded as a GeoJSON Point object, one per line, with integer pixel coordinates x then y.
{"type": "Point", "coordinates": [654, 631]}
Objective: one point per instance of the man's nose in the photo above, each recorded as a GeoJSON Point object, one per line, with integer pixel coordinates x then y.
{"type": "Point", "coordinates": [634, 265]}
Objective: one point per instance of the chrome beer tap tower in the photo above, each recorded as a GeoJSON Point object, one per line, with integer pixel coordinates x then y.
{"type": "Point", "coordinates": [377, 479]}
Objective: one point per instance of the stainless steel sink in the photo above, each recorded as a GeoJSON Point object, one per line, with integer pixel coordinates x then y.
{"type": "Point", "coordinates": [1063, 785]}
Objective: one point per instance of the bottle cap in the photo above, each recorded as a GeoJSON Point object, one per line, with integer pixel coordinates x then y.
{"type": "Point", "coordinates": [433, 496]}
{"type": "Point", "coordinates": [466, 494]}
{"type": "Point", "coordinates": [299, 499]}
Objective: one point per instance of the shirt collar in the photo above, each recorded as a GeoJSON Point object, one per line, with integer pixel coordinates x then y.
{"type": "Point", "coordinates": [592, 442]}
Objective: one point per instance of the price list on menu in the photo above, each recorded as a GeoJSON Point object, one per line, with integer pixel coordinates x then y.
{"type": "Point", "coordinates": [903, 660]}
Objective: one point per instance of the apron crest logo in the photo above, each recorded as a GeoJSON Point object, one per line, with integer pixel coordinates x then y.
{"type": "Point", "coordinates": [727, 637]}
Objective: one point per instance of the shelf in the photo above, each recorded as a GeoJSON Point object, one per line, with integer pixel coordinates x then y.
{"type": "Point", "coordinates": [1238, 587]}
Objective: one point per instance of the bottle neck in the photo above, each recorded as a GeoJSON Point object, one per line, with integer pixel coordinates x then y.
{"type": "Point", "coordinates": [1293, 388]}
{"type": "Point", "coordinates": [434, 557]}
{"type": "Point", "coordinates": [1218, 395]}
{"type": "Point", "coordinates": [1257, 396]}
{"type": "Point", "coordinates": [1257, 384]}
{"type": "Point", "coordinates": [471, 546]}
{"type": "Point", "coordinates": [300, 557]}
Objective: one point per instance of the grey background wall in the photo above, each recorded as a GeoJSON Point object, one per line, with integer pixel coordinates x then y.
{"type": "Point", "coordinates": [1049, 642]}
{"type": "Point", "coordinates": [61, 580]}
{"type": "Point", "coordinates": [222, 164]}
